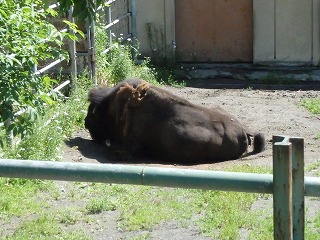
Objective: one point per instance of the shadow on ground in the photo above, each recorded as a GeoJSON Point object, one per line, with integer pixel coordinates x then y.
{"type": "Point", "coordinates": [246, 84]}
{"type": "Point", "coordinates": [104, 154]}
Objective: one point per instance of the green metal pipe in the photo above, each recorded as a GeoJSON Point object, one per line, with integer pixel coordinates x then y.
{"type": "Point", "coordinates": [151, 176]}
{"type": "Point", "coordinates": [312, 186]}
{"type": "Point", "coordinates": [138, 175]}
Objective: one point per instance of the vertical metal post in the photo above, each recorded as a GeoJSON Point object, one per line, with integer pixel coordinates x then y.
{"type": "Point", "coordinates": [73, 57]}
{"type": "Point", "coordinates": [134, 26]}
{"type": "Point", "coordinates": [9, 134]}
{"type": "Point", "coordinates": [89, 48]}
{"type": "Point", "coordinates": [93, 53]}
{"type": "Point", "coordinates": [282, 196]}
{"type": "Point", "coordinates": [298, 187]}
{"type": "Point", "coordinates": [109, 20]}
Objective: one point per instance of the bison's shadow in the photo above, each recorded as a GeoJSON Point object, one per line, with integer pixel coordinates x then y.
{"type": "Point", "coordinates": [89, 149]}
{"type": "Point", "coordinates": [104, 154]}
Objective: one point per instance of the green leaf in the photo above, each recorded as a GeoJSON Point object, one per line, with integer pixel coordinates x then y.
{"type": "Point", "coordinates": [74, 27]}
{"type": "Point", "coordinates": [52, 12]}
{"type": "Point", "coordinates": [3, 14]}
{"type": "Point", "coordinates": [48, 81]}
{"type": "Point", "coordinates": [11, 59]}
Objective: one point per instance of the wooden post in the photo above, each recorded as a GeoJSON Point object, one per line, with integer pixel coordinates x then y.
{"type": "Point", "coordinates": [282, 196]}
{"type": "Point", "coordinates": [298, 187]}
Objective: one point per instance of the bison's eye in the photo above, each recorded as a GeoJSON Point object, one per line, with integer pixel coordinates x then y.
{"type": "Point", "coordinates": [93, 110]}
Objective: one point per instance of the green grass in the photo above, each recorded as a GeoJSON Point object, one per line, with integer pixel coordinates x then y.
{"type": "Point", "coordinates": [141, 208]}
{"type": "Point", "coordinates": [18, 196]}
{"type": "Point", "coordinates": [98, 205]}
{"type": "Point", "coordinates": [312, 104]}
{"type": "Point", "coordinates": [315, 166]}
{"type": "Point", "coordinates": [46, 227]}
{"type": "Point", "coordinates": [218, 214]}
{"type": "Point", "coordinates": [313, 228]}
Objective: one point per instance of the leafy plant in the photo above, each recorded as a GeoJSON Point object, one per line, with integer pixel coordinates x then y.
{"type": "Point", "coordinates": [50, 130]}
{"type": "Point", "coordinates": [26, 39]}
{"type": "Point", "coordinates": [119, 62]}
{"type": "Point", "coordinates": [83, 9]}
{"type": "Point", "coordinates": [99, 205]}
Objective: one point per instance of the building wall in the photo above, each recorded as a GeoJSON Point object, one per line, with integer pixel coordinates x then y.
{"type": "Point", "coordinates": [286, 31]}
{"type": "Point", "coordinates": [154, 26]}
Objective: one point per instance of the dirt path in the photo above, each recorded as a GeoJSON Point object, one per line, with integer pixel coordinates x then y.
{"type": "Point", "coordinates": [272, 112]}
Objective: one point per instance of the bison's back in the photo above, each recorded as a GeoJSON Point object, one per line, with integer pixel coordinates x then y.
{"type": "Point", "coordinates": [172, 129]}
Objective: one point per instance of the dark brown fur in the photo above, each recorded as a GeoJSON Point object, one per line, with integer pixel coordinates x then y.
{"type": "Point", "coordinates": [145, 120]}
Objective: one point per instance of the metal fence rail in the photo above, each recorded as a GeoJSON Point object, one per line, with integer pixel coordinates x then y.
{"type": "Point", "coordinates": [288, 174]}
{"type": "Point", "coordinates": [138, 175]}
{"type": "Point", "coordinates": [148, 176]}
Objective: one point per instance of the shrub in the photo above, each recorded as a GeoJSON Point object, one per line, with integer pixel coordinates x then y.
{"type": "Point", "coordinates": [119, 62]}
{"type": "Point", "coordinates": [26, 39]}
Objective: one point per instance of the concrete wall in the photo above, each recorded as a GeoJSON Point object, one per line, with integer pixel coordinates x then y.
{"type": "Point", "coordinates": [155, 28]}
{"type": "Point", "coordinates": [286, 31]}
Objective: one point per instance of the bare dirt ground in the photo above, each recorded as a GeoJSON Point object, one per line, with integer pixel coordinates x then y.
{"type": "Point", "coordinates": [272, 112]}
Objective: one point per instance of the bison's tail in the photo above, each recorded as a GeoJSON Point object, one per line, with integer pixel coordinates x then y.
{"type": "Point", "coordinates": [259, 143]}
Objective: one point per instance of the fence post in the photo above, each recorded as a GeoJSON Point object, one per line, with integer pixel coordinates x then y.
{"type": "Point", "coordinates": [109, 20]}
{"type": "Point", "coordinates": [282, 195]}
{"type": "Point", "coordinates": [73, 57]}
{"type": "Point", "coordinates": [298, 187]}
{"type": "Point", "coordinates": [93, 53]}
{"type": "Point", "coordinates": [133, 9]}
{"type": "Point", "coordinates": [9, 134]}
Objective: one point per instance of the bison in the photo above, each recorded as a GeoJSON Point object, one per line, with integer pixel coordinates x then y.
{"type": "Point", "coordinates": [142, 120]}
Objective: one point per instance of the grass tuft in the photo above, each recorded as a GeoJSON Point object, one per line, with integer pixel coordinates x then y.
{"type": "Point", "coordinates": [312, 104]}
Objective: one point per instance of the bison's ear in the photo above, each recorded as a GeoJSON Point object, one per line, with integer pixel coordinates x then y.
{"type": "Point", "coordinates": [96, 95]}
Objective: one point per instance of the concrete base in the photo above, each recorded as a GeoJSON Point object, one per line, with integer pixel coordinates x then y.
{"type": "Point", "coordinates": [249, 74]}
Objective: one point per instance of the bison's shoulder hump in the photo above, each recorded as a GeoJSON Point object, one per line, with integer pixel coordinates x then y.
{"type": "Point", "coordinates": [96, 95]}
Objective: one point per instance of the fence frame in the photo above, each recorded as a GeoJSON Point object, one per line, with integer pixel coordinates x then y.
{"type": "Point", "coordinates": [287, 174]}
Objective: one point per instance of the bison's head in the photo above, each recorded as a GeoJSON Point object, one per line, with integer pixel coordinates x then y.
{"type": "Point", "coordinates": [106, 107]}
{"type": "Point", "coordinates": [96, 116]}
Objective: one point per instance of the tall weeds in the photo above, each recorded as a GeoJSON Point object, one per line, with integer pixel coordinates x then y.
{"type": "Point", "coordinates": [118, 61]}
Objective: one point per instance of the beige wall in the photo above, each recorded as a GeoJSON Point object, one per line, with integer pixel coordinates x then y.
{"type": "Point", "coordinates": [286, 31]}
{"type": "Point", "coordinates": [155, 17]}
